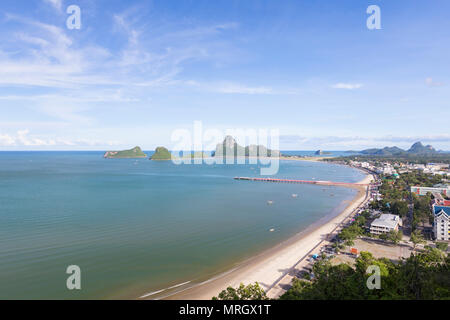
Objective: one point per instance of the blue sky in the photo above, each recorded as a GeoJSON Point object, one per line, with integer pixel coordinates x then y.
{"type": "Point", "coordinates": [138, 70]}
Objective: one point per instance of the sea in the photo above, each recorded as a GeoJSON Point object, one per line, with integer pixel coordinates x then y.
{"type": "Point", "coordinates": [137, 228]}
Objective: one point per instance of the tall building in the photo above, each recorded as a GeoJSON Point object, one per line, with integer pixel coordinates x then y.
{"type": "Point", "coordinates": [441, 222]}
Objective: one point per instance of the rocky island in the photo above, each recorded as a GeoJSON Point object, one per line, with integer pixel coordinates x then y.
{"type": "Point", "coordinates": [161, 153]}
{"type": "Point", "coordinates": [321, 153]}
{"type": "Point", "coordinates": [229, 148]}
{"type": "Point", "coordinates": [136, 152]}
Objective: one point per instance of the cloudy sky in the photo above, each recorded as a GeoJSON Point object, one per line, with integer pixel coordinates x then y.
{"type": "Point", "coordinates": [138, 70]}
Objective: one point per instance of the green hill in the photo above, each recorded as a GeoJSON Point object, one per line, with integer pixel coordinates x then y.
{"type": "Point", "coordinates": [416, 149]}
{"type": "Point", "coordinates": [136, 152]}
{"type": "Point", "coordinates": [230, 148]}
{"type": "Point", "coordinates": [161, 153]}
{"type": "Point", "coordinates": [419, 148]}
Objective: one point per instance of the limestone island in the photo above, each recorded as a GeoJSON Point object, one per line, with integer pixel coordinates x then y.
{"type": "Point", "coordinates": [229, 148]}
{"type": "Point", "coordinates": [136, 152]}
{"type": "Point", "coordinates": [320, 153]}
{"type": "Point", "coordinates": [161, 153]}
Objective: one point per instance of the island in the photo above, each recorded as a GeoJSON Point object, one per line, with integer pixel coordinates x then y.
{"type": "Point", "coordinates": [320, 153]}
{"type": "Point", "coordinates": [161, 153]}
{"type": "Point", "coordinates": [136, 152]}
{"type": "Point", "coordinates": [229, 148]}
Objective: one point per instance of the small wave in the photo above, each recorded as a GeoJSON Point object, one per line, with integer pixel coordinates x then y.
{"type": "Point", "coordinates": [162, 290]}
{"type": "Point", "coordinates": [151, 293]}
{"type": "Point", "coordinates": [178, 285]}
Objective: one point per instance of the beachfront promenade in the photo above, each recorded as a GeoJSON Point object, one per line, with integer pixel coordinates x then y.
{"type": "Point", "coordinates": [326, 183]}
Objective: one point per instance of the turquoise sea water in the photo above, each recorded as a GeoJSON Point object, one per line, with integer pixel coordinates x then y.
{"type": "Point", "coordinates": [137, 226]}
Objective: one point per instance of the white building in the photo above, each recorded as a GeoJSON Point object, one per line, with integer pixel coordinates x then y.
{"type": "Point", "coordinates": [441, 223]}
{"type": "Point", "coordinates": [424, 190]}
{"type": "Point", "coordinates": [384, 224]}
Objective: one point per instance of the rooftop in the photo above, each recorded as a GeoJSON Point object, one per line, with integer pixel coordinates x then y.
{"type": "Point", "coordinates": [386, 220]}
{"type": "Point", "coordinates": [438, 209]}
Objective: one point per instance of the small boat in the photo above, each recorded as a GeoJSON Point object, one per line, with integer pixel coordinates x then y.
{"type": "Point", "coordinates": [269, 202]}
{"type": "Point", "coordinates": [272, 230]}
{"type": "Point", "coordinates": [294, 195]}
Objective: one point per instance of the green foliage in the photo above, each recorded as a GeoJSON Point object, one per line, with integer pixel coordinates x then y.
{"type": "Point", "coordinates": [136, 152]}
{"type": "Point", "coordinates": [442, 246]}
{"type": "Point", "coordinates": [395, 236]}
{"type": "Point", "coordinates": [422, 210]}
{"type": "Point", "coordinates": [422, 276]}
{"type": "Point", "coordinates": [249, 292]}
{"type": "Point", "coordinates": [399, 208]}
{"type": "Point", "coordinates": [350, 233]}
{"type": "Point", "coordinates": [161, 153]}
{"type": "Point", "coordinates": [417, 237]}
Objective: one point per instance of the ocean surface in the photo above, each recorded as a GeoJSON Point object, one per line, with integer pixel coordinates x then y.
{"type": "Point", "coordinates": [137, 226]}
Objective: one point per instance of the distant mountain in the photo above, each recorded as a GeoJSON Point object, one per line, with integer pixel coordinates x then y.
{"type": "Point", "coordinates": [416, 149]}
{"type": "Point", "coordinates": [386, 151]}
{"type": "Point", "coordinates": [419, 148]}
{"type": "Point", "coordinates": [230, 148]}
{"type": "Point", "coordinates": [136, 152]}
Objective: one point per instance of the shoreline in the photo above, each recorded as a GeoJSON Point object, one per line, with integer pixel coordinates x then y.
{"type": "Point", "coordinates": [273, 266]}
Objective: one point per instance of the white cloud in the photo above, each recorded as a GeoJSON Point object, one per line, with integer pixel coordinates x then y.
{"type": "Point", "coordinates": [50, 58]}
{"type": "Point", "coordinates": [6, 140]}
{"type": "Point", "coordinates": [22, 138]}
{"type": "Point", "coordinates": [57, 4]}
{"type": "Point", "coordinates": [241, 89]}
{"type": "Point", "coordinates": [431, 83]}
{"type": "Point", "coordinates": [348, 86]}
{"type": "Point", "coordinates": [238, 88]}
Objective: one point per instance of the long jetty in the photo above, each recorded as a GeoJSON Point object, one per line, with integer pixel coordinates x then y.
{"type": "Point", "coordinates": [325, 183]}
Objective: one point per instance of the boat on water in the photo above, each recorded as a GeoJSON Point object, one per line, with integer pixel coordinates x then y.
{"type": "Point", "coordinates": [294, 195]}
{"type": "Point", "coordinates": [269, 202]}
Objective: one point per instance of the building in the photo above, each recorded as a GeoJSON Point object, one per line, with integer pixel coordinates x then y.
{"type": "Point", "coordinates": [440, 201]}
{"type": "Point", "coordinates": [384, 224]}
{"type": "Point", "coordinates": [441, 223]}
{"type": "Point", "coordinates": [421, 191]}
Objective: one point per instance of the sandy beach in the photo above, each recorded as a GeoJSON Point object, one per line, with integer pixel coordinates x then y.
{"type": "Point", "coordinates": [273, 268]}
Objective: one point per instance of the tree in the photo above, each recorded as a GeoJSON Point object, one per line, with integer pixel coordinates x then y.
{"type": "Point", "coordinates": [442, 246]}
{"type": "Point", "coordinates": [249, 292]}
{"type": "Point", "coordinates": [416, 238]}
{"type": "Point", "coordinates": [400, 208]}
{"type": "Point", "coordinates": [422, 276]}
{"type": "Point", "coordinates": [395, 236]}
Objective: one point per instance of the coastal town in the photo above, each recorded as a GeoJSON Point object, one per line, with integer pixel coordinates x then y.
{"type": "Point", "coordinates": [406, 214]}
{"type": "Point", "coordinates": [403, 216]}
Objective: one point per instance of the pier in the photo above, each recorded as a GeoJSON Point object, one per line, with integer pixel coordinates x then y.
{"type": "Point", "coordinates": [324, 183]}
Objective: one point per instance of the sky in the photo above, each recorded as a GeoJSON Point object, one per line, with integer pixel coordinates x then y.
{"type": "Point", "coordinates": [136, 71]}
